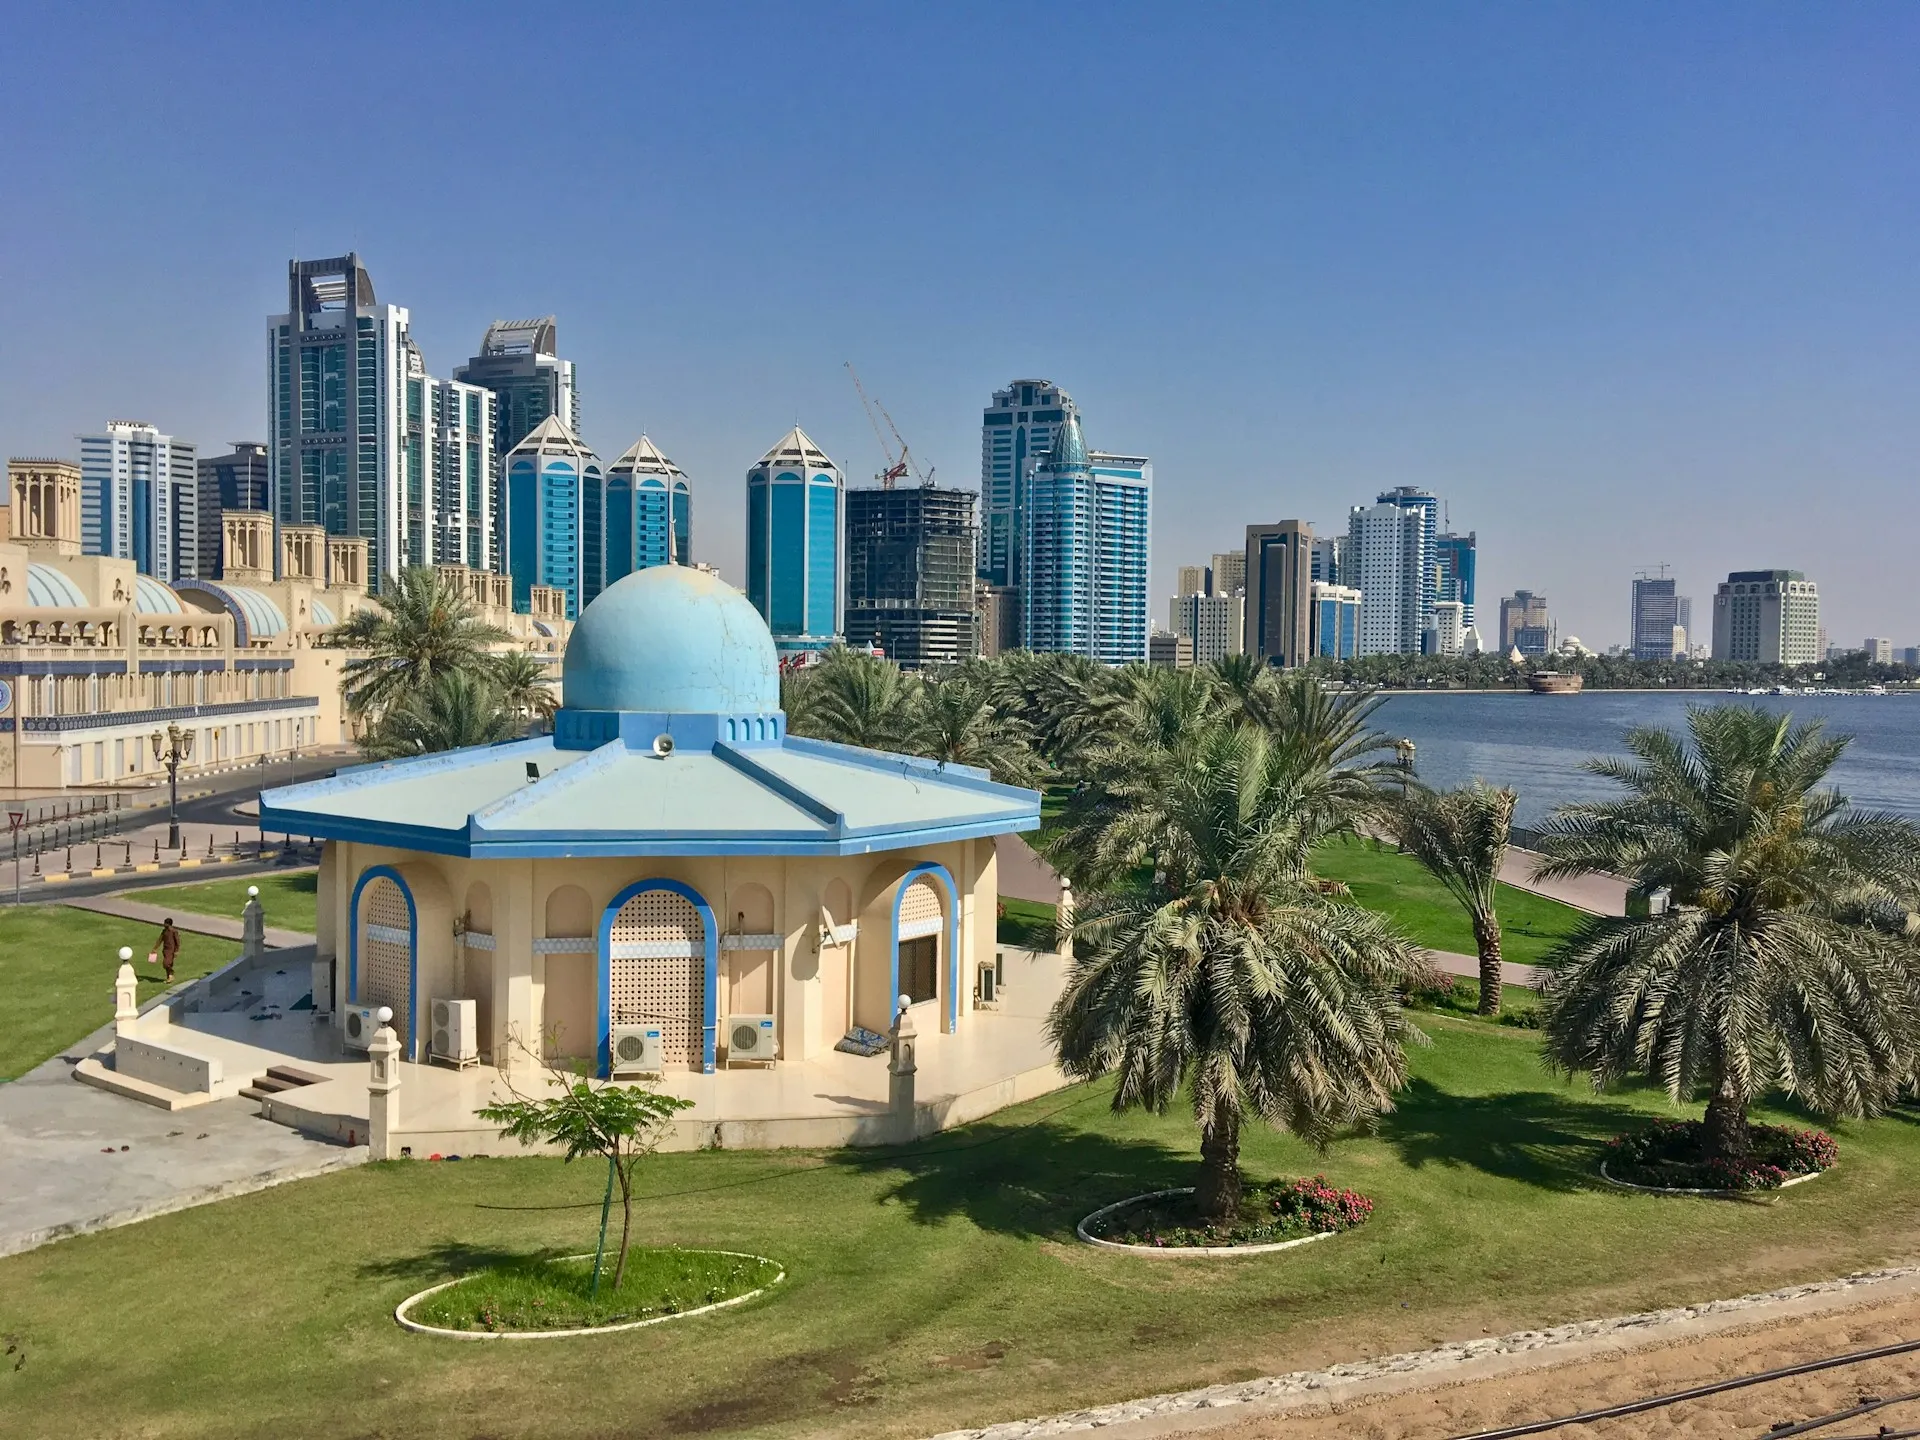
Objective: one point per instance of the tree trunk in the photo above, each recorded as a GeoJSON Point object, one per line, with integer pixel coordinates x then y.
{"type": "Point", "coordinates": [626, 1225]}
{"type": "Point", "coordinates": [1217, 1196]}
{"type": "Point", "coordinates": [1486, 939]}
{"type": "Point", "coordinates": [1727, 1137]}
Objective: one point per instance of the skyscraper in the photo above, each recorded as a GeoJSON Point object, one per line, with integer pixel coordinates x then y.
{"type": "Point", "coordinates": [346, 443]}
{"type": "Point", "coordinates": [1525, 624]}
{"type": "Point", "coordinates": [1423, 587]}
{"type": "Point", "coordinates": [228, 482]}
{"type": "Point", "coordinates": [793, 543]}
{"type": "Point", "coordinates": [1195, 580]}
{"type": "Point", "coordinates": [1336, 621]}
{"type": "Point", "coordinates": [1329, 558]}
{"type": "Point", "coordinates": [1230, 573]}
{"type": "Point", "coordinates": [1769, 617]}
{"type": "Point", "coordinates": [553, 481]}
{"type": "Point", "coordinates": [1084, 556]}
{"type": "Point", "coordinates": [910, 581]}
{"type": "Point", "coordinates": [465, 474]}
{"type": "Point", "coordinates": [140, 499]}
{"type": "Point", "coordinates": [1279, 592]}
{"type": "Point", "coordinates": [1215, 623]}
{"type": "Point", "coordinates": [519, 361]}
{"type": "Point", "coordinates": [1455, 556]}
{"type": "Point", "coordinates": [1657, 611]}
{"type": "Point", "coordinates": [1016, 433]}
{"type": "Point", "coordinates": [649, 513]}
{"type": "Point", "coordinates": [1387, 560]}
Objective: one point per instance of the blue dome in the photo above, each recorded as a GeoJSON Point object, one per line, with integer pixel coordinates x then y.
{"type": "Point", "coordinates": [671, 639]}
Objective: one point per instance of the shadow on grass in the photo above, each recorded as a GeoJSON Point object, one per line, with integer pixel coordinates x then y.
{"type": "Point", "coordinates": [450, 1258]}
{"type": "Point", "coordinates": [1036, 1181]}
{"type": "Point", "coordinates": [1549, 1141]}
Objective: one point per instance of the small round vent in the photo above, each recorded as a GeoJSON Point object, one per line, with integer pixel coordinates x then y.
{"type": "Point", "coordinates": [629, 1047]}
{"type": "Point", "coordinates": [745, 1037]}
{"type": "Point", "coordinates": [442, 1043]}
{"type": "Point", "coordinates": [356, 1024]}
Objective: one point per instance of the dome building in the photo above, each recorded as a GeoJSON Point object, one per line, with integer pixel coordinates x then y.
{"type": "Point", "coordinates": [670, 866]}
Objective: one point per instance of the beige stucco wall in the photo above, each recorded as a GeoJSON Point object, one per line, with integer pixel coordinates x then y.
{"type": "Point", "coordinates": [509, 899]}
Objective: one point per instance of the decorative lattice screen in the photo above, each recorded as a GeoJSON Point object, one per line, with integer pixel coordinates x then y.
{"type": "Point", "coordinates": [920, 910]}
{"type": "Point", "coordinates": [386, 962]}
{"type": "Point", "coordinates": [657, 972]}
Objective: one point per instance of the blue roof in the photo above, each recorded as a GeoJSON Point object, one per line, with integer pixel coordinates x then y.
{"type": "Point", "coordinates": [150, 597]}
{"type": "Point", "coordinates": [255, 616]}
{"type": "Point", "coordinates": [48, 586]}
{"type": "Point", "coordinates": [671, 639]}
{"type": "Point", "coordinates": [323, 613]}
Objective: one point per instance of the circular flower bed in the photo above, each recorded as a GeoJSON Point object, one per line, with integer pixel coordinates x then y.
{"type": "Point", "coordinates": [1280, 1212]}
{"type": "Point", "coordinates": [548, 1297]}
{"type": "Point", "coordinates": [1670, 1155]}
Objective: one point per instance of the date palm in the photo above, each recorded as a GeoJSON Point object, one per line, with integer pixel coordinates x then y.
{"type": "Point", "coordinates": [454, 711]}
{"type": "Point", "coordinates": [525, 685]}
{"type": "Point", "coordinates": [955, 722]}
{"type": "Point", "coordinates": [1212, 964]}
{"type": "Point", "coordinates": [421, 627]}
{"type": "Point", "coordinates": [853, 698]}
{"type": "Point", "coordinates": [1461, 838]}
{"type": "Point", "coordinates": [1786, 960]}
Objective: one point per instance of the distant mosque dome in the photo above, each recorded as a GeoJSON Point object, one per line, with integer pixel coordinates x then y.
{"type": "Point", "coordinates": [670, 639]}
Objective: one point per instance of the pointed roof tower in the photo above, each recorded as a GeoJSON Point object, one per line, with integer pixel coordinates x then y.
{"type": "Point", "coordinates": [643, 457]}
{"type": "Point", "coordinates": [553, 436]}
{"type": "Point", "coordinates": [1069, 450]}
{"type": "Point", "coordinates": [797, 447]}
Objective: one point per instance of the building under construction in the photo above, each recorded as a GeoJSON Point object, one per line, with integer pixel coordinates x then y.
{"type": "Point", "coordinates": [910, 564]}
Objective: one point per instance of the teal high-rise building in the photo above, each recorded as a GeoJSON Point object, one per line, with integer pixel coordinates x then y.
{"type": "Point", "coordinates": [794, 569]}
{"type": "Point", "coordinates": [648, 515]}
{"type": "Point", "coordinates": [556, 497]}
{"type": "Point", "coordinates": [1085, 551]}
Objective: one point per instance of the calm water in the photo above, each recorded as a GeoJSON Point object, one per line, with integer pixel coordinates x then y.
{"type": "Point", "coordinates": [1535, 743]}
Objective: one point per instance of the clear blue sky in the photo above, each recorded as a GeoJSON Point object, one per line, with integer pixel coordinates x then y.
{"type": "Point", "coordinates": [1624, 283]}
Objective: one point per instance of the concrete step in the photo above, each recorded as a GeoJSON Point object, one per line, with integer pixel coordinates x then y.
{"type": "Point", "coordinates": [294, 1076]}
{"type": "Point", "coordinates": [268, 1084]}
{"type": "Point", "coordinates": [91, 1072]}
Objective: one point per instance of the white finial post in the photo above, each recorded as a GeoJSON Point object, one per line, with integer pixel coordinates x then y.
{"type": "Point", "coordinates": [901, 1067]}
{"type": "Point", "coordinates": [1065, 919]}
{"type": "Point", "coordinates": [383, 1089]}
{"type": "Point", "coordinates": [126, 995]}
{"type": "Point", "coordinates": [253, 927]}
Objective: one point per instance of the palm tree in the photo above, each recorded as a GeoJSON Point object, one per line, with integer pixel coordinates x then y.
{"type": "Point", "coordinates": [1228, 973]}
{"type": "Point", "coordinates": [956, 723]}
{"type": "Point", "coordinates": [1461, 837]}
{"type": "Point", "coordinates": [525, 686]}
{"type": "Point", "coordinates": [853, 698]}
{"type": "Point", "coordinates": [455, 710]}
{"type": "Point", "coordinates": [1786, 959]}
{"type": "Point", "coordinates": [421, 628]}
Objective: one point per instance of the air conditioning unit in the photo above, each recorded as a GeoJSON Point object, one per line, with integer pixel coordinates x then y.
{"type": "Point", "coordinates": [986, 987]}
{"type": "Point", "coordinates": [358, 1025]}
{"type": "Point", "coordinates": [750, 1040]}
{"type": "Point", "coordinates": [455, 1032]}
{"type": "Point", "coordinates": [636, 1050]}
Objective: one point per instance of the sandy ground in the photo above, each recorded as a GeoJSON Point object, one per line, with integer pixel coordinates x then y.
{"type": "Point", "coordinates": [1441, 1413]}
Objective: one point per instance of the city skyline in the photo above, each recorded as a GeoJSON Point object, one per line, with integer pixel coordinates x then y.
{"type": "Point", "coordinates": [1552, 325]}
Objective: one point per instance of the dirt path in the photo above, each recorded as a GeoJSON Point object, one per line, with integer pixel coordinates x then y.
{"type": "Point", "coordinates": [1436, 1413]}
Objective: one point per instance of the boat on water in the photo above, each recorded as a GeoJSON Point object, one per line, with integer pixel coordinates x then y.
{"type": "Point", "coordinates": [1555, 682]}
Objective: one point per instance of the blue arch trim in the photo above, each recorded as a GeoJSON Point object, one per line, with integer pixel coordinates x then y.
{"type": "Point", "coordinates": [939, 872]}
{"type": "Point", "coordinates": [377, 872]}
{"type": "Point", "coordinates": [710, 1001]}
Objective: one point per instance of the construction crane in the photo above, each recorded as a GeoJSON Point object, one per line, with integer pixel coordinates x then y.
{"type": "Point", "coordinates": [895, 468]}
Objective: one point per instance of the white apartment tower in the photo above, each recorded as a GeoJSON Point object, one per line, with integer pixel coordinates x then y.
{"type": "Point", "coordinates": [140, 499]}
{"type": "Point", "coordinates": [1388, 559]}
{"type": "Point", "coordinates": [1769, 617]}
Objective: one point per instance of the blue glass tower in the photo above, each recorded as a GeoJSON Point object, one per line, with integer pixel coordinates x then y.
{"type": "Point", "coordinates": [649, 512]}
{"type": "Point", "coordinates": [1085, 552]}
{"type": "Point", "coordinates": [1454, 556]}
{"type": "Point", "coordinates": [556, 499]}
{"type": "Point", "coordinates": [794, 497]}
{"type": "Point", "coordinates": [1016, 433]}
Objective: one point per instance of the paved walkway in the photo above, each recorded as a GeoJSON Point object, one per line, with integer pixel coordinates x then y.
{"type": "Point", "coordinates": [74, 1159]}
{"type": "Point", "coordinates": [1600, 894]}
{"type": "Point", "coordinates": [1468, 967]}
{"type": "Point", "coordinates": [127, 907]}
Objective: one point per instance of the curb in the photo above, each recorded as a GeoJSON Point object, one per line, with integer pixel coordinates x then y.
{"type": "Point", "coordinates": [1162, 1251]}
{"type": "Point", "coordinates": [400, 1310]}
{"type": "Point", "coordinates": [1720, 1194]}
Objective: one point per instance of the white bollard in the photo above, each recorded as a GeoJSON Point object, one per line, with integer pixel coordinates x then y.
{"type": "Point", "coordinates": [253, 927]}
{"type": "Point", "coordinates": [126, 995]}
{"type": "Point", "coordinates": [901, 1067]}
{"type": "Point", "coordinates": [383, 1089]}
{"type": "Point", "coordinates": [1065, 920]}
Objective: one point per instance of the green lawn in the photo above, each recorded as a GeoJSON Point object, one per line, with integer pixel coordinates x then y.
{"type": "Point", "coordinates": [930, 1287]}
{"type": "Point", "coordinates": [1383, 879]}
{"type": "Point", "coordinates": [290, 901]}
{"type": "Point", "coordinates": [56, 977]}
{"type": "Point", "coordinates": [1026, 923]}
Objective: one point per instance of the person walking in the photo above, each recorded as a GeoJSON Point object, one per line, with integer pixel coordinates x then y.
{"type": "Point", "coordinates": [169, 947]}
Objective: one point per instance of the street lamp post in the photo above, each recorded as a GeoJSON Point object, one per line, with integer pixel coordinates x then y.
{"type": "Point", "coordinates": [169, 750]}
